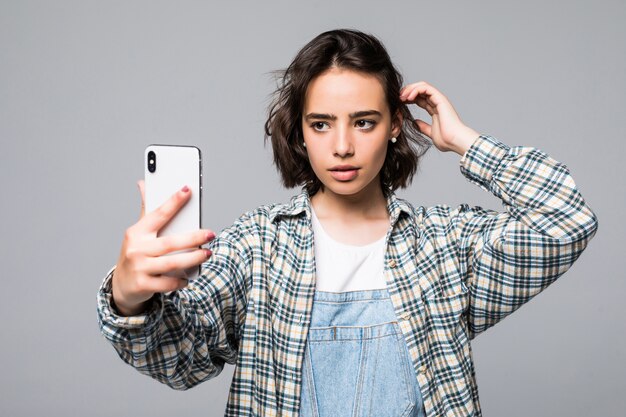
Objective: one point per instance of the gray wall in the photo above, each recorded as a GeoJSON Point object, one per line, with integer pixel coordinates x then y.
{"type": "Point", "coordinates": [86, 85]}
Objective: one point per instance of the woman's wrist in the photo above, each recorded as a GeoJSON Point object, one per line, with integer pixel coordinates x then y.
{"type": "Point", "coordinates": [129, 311]}
{"type": "Point", "coordinates": [464, 141]}
{"type": "Point", "coordinates": [121, 306]}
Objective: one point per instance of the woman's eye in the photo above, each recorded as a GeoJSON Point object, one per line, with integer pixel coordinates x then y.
{"type": "Point", "coordinates": [361, 124]}
{"type": "Point", "coordinates": [318, 125]}
{"type": "Point", "coordinates": [366, 124]}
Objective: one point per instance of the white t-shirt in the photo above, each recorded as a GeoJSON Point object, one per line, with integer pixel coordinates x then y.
{"type": "Point", "coordinates": [341, 267]}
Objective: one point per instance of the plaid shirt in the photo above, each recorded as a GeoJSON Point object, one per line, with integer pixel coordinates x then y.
{"type": "Point", "coordinates": [451, 272]}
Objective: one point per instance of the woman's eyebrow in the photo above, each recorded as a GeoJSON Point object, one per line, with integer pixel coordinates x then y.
{"type": "Point", "coordinates": [327, 116]}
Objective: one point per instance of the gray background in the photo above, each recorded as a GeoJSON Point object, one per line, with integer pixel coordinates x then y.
{"type": "Point", "coordinates": [85, 86]}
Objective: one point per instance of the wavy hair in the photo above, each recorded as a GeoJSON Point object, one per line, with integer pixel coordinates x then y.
{"type": "Point", "coordinates": [344, 49]}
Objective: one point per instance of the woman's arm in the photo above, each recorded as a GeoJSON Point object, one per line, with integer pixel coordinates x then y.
{"type": "Point", "coordinates": [185, 336]}
{"type": "Point", "coordinates": [509, 257]}
{"type": "Point", "coordinates": [179, 333]}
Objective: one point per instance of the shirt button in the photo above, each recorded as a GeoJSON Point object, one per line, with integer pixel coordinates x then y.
{"type": "Point", "coordinates": [421, 369]}
{"type": "Point", "coordinates": [391, 263]}
{"type": "Point", "coordinates": [405, 316]}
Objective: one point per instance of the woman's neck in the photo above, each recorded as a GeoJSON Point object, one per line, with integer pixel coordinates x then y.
{"type": "Point", "coordinates": [366, 205]}
{"type": "Point", "coordinates": [358, 219]}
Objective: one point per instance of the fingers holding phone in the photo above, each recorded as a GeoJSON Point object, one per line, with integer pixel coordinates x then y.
{"type": "Point", "coordinates": [162, 251]}
{"type": "Point", "coordinates": [147, 261]}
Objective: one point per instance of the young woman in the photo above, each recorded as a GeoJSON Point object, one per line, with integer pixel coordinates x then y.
{"type": "Point", "coordinates": [348, 300]}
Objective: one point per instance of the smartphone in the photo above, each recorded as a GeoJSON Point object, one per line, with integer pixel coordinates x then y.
{"type": "Point", "coordinates": [167, 169]}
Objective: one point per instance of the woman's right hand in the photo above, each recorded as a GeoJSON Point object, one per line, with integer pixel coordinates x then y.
{"type": "Point", "coordinates": [141, 269]}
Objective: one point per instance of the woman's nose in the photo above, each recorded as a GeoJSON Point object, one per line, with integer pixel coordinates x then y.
{"type": "Point", "coordinates": [344, 142]}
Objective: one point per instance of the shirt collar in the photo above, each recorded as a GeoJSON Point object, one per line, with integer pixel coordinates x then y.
{"type": "Point", "coordinates": [301, 202]}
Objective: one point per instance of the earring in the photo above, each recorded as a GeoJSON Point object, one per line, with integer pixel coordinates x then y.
{"type": "Point", "coordinates": [394, 140]}
{"type": "Point", "coordinates": [304, 144]}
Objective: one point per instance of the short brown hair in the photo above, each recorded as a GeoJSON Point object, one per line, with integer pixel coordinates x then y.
{"type": "Point", "coordinates": [347, 49]}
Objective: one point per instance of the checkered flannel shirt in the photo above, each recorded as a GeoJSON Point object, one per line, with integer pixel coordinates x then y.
{"type": "Point", "coordinates": [451, 272]}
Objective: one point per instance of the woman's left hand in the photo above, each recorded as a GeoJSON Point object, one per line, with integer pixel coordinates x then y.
{"type": "Point", "coordinates": [447, 131]}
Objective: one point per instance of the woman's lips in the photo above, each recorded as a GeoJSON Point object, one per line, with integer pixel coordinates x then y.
{"type": "Point", "coordinates": [344, 175]}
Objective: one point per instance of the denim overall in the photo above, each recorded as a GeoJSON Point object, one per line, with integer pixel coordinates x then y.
{"type": "Point", "coordinates": [356, 361]}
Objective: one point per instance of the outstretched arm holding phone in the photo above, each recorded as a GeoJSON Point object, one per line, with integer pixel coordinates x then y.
{"type": "Point", "coordinates": [178, 332]}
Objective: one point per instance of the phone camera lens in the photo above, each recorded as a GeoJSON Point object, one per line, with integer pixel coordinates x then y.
{"type": "Point", "coordinates": [151, 161]}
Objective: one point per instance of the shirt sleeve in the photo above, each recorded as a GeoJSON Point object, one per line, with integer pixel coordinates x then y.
{"type": "Point", "coordinates": [185, 336]}
{"type": "Point", "coordinates": [511, 256]}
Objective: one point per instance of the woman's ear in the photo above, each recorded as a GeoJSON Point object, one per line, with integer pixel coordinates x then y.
{"type": "Point", "coordinates": [396, 124]}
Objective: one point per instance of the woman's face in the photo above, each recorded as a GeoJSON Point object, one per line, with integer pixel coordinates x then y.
{"type": "Point", "coordinates": [347, 125]}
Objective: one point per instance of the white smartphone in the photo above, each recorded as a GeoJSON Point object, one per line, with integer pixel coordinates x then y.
{"type": "Point", "coordinates": [167, 169]}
